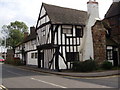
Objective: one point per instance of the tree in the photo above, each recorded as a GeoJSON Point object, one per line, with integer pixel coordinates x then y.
{"type": "Point", "coordinates": [14, 33]}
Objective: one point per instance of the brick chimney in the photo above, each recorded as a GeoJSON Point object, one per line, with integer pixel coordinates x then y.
{"type": "Point", "coordinates": [25, 34]}
{"type": "Point", "coordinates": [32, 30]}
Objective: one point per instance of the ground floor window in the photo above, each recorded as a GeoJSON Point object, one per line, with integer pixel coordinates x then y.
{"type": "Point", "coordinates": [34, 55]}
{"type": "Point", "coordinates": [72, 56]}
{"type": "Point", "coordinates": [109, 54]}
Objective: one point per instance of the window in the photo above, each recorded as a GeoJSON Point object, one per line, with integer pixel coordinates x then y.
{"type": "Point", "coordinates": [32, 55]}
{"type": "Point", "coordinates": [72, 56]}
{"type": "Point", "coordinates": [109, 54]}
{"type": "Point", "coordinates": [33, 42]}
{"type": "Point", "coordinates": [79, 31]}
{"type": "Point", "coordinates": [67, 29]}
{"type": "Point", "coordinates": [43, 31]}
{"type": "Point", "coordinates": [36, 55]}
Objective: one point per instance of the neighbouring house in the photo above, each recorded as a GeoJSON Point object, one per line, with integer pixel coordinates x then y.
{"type": "Point", "coordinates": [26, 50]}
{"type": "Point", "coordinates": [106, 36]}
{"type": "Point", "coordinates": [18, 51]}
{"type": "Point", "coordinates": [59, 32]}
{"type": "Point", "coordinates": [30, 52]}
{"type": "Point", "coordinates": [113, 18]}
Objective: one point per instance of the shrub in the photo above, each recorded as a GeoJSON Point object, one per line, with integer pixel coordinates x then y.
{"type": "Point", "coordinates": [86, 66]}
{"type": "Point", "coordinates": [15, 61]}
{"type": "Point", "coordinates": [77, 66]}
{"type": "Point", "coordinates": [106, 65]}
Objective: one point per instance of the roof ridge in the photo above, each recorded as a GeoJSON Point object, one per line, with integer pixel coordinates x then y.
{"type": "Point", "coordinates": [63, 7]}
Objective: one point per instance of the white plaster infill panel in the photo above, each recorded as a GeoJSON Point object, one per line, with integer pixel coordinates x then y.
{"type": "Point", "coordinates": [31, 61]}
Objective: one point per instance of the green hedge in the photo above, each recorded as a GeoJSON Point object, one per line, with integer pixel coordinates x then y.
{"type": "Point", "coordinates": [86, 66]}
{"type": "Point", "coordinates": [14, 61]}
{"type": "Point", "coordinates": [106, 65]}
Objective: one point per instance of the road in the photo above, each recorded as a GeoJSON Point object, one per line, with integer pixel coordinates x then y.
{"type": "Point", "coordinates": [14, 77]}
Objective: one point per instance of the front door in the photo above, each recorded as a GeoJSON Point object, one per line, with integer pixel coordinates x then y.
{"type": "Point", "coordinates": [115, 58]}
{"type": "Point", "coordinates": [40, 59]}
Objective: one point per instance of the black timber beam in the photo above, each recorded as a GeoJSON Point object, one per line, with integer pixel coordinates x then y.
{"type": "Point", "coordinates": [46, 46]}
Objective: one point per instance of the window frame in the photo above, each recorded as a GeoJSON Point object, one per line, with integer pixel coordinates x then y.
{"type": "Point", "coordinates": [67, 28]}
{"type": "Point", "coordinates": [109, 52]}
{"type": "Point", "coordinates": [32, 55]}
{"type": "Point", "coordinates": [36, 55]}
{"type": "Point", "coordinates": [79, 31]}
{"type": "Point", "coordinates": [72, 56]}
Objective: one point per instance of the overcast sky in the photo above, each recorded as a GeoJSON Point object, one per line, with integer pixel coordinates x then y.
{"type": "Point", "coordinates": [28, 10]}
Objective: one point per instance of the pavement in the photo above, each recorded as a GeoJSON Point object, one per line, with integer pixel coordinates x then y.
{"type": "Point", "coordinates": [73, 74]}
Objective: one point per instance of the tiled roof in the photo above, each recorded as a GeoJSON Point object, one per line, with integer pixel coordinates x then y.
{"type": "Point", "coordinates": [113, 10]}
{"type": "Point", "coordinates": [61, 15]}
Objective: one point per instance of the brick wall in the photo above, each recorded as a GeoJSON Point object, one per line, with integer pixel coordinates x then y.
{"type": "Point", "coordinates": [10, 54]}
{"type": "Point", "coordinates": [99, 41]}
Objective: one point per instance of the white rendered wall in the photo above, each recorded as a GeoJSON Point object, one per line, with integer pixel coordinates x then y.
{"type": "Point", "coordinates": [61, 63]}
{"type": "Point", "coordinates": [31, 61]}
{"type": "Point", "coordinates": [87, 44]}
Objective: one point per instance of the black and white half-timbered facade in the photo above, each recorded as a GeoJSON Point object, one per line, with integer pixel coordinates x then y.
{"type": "Point", "coordinates": [59, 32]}
{"type": "Point", "coordinates": [26, 50]}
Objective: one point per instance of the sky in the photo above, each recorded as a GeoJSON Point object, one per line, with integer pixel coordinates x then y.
{"type": "Point", "coordinates": [28, 10]}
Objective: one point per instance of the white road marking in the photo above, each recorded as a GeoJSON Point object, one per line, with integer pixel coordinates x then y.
{"type": "Point", "coordinates": [3, 87]}
{"type": "Point", "coordinates": [48, 83]}
{"type": "Point", "coordinates": [0, 88]}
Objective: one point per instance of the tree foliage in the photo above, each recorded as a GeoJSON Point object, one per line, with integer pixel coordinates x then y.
{"type": "Point", "coordinates": [14, 33]}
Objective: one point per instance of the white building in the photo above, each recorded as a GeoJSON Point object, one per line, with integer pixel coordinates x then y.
{"type": "Point", "coordinates": [27, 49]}
{"type": "Point", "coordinates": [59, 33]}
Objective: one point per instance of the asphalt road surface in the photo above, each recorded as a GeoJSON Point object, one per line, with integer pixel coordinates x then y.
{"type": "Point", "coordinates": [14, 77]}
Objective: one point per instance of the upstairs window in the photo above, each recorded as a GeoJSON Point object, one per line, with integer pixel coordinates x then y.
{"type": "Point", "coordinates": [43, 31]}
{"type": "Point", "coordinates": [67, 29]}
{"type": "Point", "coordinates": [33, 42]}
{"type": "Point", "coordinates": [79, 31]}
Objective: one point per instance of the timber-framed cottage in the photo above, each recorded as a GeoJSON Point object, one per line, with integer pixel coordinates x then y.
{"type": "Point", "coordinates": [59, 32]}
{"type": "Point", "coordinates": [26, 50]}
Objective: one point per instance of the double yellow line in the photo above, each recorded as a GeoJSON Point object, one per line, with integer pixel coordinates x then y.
{"type": "Point", "coordinates": [3, 87]}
